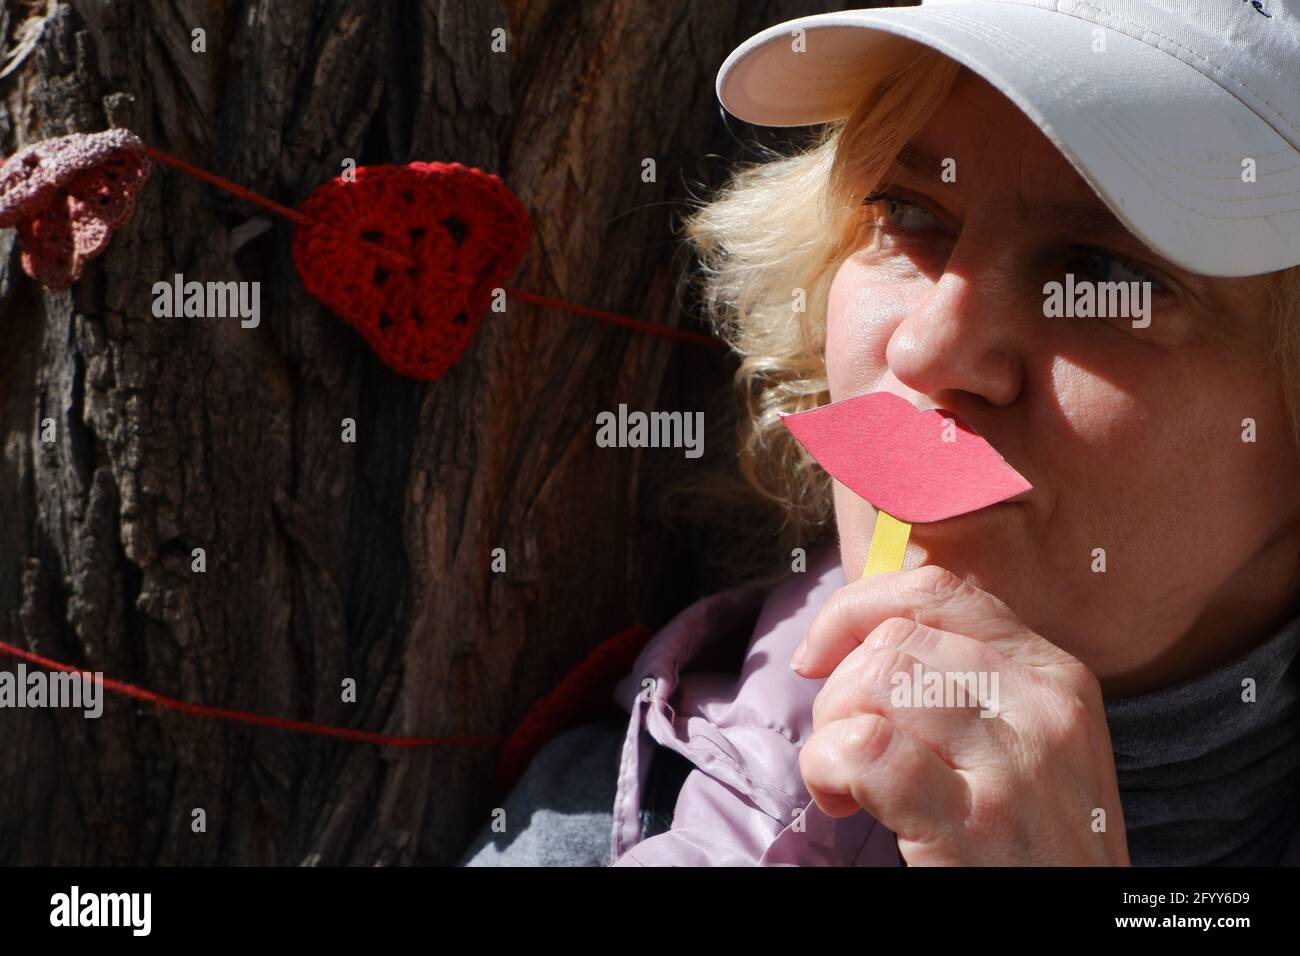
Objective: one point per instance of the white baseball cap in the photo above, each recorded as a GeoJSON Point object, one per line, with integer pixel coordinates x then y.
{"type": "Point", "coordinates": [1165, 107]}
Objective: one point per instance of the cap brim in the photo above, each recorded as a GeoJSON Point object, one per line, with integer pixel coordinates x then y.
{"type": "Point", "coordinates": [1161, 143]}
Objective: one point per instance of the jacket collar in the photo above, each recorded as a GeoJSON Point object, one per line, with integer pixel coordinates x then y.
{"type": "Point", "coordinates": [741, 725]}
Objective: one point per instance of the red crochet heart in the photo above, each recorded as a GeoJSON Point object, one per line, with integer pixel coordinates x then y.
{"type": "Point", "coordinates": [461, 232]}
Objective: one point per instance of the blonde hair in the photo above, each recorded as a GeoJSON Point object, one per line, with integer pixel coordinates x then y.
{"type": "Point", "coordinates": [760, 239]}
{"type": "Point", "coordinates": [780, 228]}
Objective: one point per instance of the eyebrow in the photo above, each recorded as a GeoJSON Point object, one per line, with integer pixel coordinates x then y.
{"type": "Point", "coordinates": [1082, 216]}
{"type": "Point", "coordinates": [918, 161]}
{"type": "Point", "coordinates": [1087, 217]}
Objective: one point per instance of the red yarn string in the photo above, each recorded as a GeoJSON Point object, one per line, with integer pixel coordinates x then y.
{"type": "Point", "coordinates": [244, 717]}
{"type": "Point", "coordinates": [394, 258]}
{"type": "Point", "coordinates": [227, 185]}
{"type": "Point", "coordinates": [611, 318]}
{"type": "Point", "coordinates": [614, 319]}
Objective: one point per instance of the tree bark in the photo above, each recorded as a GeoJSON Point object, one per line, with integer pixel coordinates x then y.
{"type": "Point", "coordinates": [328, 560]}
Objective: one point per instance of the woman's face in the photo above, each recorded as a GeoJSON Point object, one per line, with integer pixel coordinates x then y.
{"type": "Point", "coordinates": [1131, 437]}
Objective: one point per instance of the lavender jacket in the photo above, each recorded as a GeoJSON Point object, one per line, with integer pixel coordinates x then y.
{"type": "Point", "coordinates": [745, 803]}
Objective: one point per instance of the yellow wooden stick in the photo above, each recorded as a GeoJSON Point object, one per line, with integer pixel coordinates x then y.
{"type": "Point", "coordinates": [888, 542]}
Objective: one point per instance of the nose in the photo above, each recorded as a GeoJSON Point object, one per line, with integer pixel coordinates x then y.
{"type": "Point", "coordinates": [959, 339]}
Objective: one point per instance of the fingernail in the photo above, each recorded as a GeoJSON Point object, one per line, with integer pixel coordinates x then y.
{"type": "Point", "coordinates": [800, 653]}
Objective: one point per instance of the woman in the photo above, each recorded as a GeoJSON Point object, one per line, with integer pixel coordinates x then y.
{"type": "Point", "coordinates": [1139, 607]}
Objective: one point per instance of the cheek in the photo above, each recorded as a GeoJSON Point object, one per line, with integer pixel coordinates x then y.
{"type": "Point", "coordinates": [1117, 444]}
{"type": "Point", "coordinates": [861, 314]}
{"type": "Point", "coordinates": [1179, 426]}
{"type": "Point", "coordinates": [1154, 466]}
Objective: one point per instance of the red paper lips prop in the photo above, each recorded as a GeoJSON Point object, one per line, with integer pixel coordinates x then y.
{"type": "Point", "coordinates": [912, 464]}
{"type": "Point", "coordinates": [409, 256]}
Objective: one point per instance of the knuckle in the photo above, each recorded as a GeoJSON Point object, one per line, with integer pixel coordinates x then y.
{"type": "Point", "coordinates": [987, 809]}
{"type": "Point", "coordinates": [1085, 685]}
{"type": "Point", "coordinates": [891, 633]}
{"type": "Point", "coordinates": [876, 677]}
{"type": "Point", "coordinates": [866, 738]}
{"type": "Point", "coordinates": [835, 610]}
{"type": "Point", "coordinates": [839, 602]}
{"type": "Point", "coordinates": [932, 579]}
{"type": "Point", "coordinates": [1068, 723]}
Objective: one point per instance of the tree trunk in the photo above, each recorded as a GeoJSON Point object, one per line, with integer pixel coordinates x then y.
{"type": "Point", "coordinates": [328, 560]}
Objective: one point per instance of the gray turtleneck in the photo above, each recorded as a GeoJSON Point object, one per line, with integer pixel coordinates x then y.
{"type": "Point", "coordinates": [1206, 774]}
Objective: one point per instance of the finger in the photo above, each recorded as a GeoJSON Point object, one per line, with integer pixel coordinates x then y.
{"type": "Point", "coordinates": [871, 763]}
{"type": "Point", "coordinates": [892, 686]}
{"type": "Point", "coordinates": [940, 687]}
{"type": "Point", "coordinates": [929, 595]}
{"type": "Point", "coordinates": [934, 646]}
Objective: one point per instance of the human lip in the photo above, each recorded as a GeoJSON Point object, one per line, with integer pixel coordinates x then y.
{"type": "Point", "coordinates": [918, 465]}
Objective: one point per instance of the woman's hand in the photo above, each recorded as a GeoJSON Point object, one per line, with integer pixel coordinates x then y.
{"type": "Point", "coordinates": [1023, 786]}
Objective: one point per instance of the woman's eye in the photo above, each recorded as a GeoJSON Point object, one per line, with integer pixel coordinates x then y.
{"type": "Point", "coordinates": [901, 215]}
{"type": "Point", "coordinates": [1105, 267]}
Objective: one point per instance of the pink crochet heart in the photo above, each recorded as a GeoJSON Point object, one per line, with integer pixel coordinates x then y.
{"type": "Point", "coordinates": [66, 195]}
